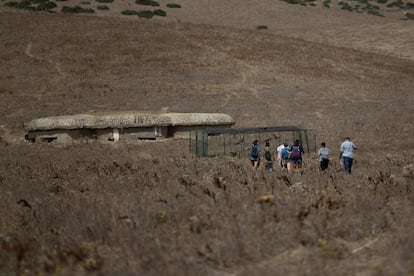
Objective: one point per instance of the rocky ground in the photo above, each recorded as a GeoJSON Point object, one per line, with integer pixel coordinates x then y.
{"type": "Point", "coordinates": [152, 207]}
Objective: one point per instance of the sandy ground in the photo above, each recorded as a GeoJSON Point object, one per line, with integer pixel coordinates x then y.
{"type": "Point", "coordinates": [152, 208]}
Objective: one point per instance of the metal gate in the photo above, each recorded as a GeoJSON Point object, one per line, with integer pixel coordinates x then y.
{"type": "Point", "coordinates": [235, 141]}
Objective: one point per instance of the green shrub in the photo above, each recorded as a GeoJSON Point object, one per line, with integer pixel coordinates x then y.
{"type": "Point", "coordinates": [176, 6]}
{"type": "Point", "coordinates": [397, 3]}
{"type": "Point", "coordinates": [146, 14]}
{"type": "Point", "coordinates": [11, 4]}
{"type": "Point", "coordinates": [345, 6]}
{"type": "Point", "coordinates": [410, 6]}
{"type": "Point", "coordinates": [409, 16]}
{"type": "Point", "coordinates": [46, 6]}
{"type": "Point", "coordinates": [76, 9]}
{"type": "Point", "coordinates": [292, 1]}
{"type": "Point", "coordinates": [24, 4]}
{"type": "Point", "coordinates": [147, 3]}
{"type": "Point", "coordinates": [326, 3]}
{"type": "Point", "coordinates": [102, 8]}
{"type": "Point", "coordinates": [382, 1]}
{"type": "Point", "coordinates": [104, 1]}
{"type": "Point", "coordinates": [374, 12]}
{"type": "Point", "coordinates": [129, 12]}
{"type": "Point", "coordinates": [85, 3]}
{"type": "Point", "coordinates": [261, 27]}
{"type": "Point", "coordinates": [160, 12]}
{"type": "Point", "coordinates": [32, 5]}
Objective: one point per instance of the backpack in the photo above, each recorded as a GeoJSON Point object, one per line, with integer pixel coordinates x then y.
{"type": "Point", "coordinates": [254, 151]}
{"type": "Point", "coordinates": [284, 153]}
{"type": "Point", "coordinates": [268, 156]}
{"type": "Point", "coordinates": [295, 154]}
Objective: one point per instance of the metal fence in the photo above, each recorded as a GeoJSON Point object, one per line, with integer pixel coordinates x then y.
{"type": "Point", "coordinates": [235, 141]}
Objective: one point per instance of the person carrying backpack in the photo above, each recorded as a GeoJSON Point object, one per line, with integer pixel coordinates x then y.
{"type": "Point", "coordinates": [268, 157]}
{"type": "Point", "coordinates": [254, 154]}
{"type": "Point", "coordinates": [295, 156]}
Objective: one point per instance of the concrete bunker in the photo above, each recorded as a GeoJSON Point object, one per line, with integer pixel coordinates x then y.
{"type": "Point", "coordinates": [122, 126]}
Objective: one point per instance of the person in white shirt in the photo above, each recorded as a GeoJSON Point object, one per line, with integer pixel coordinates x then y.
{"type": "Point", "coordinates": [347, 148]}
{"type": "Point", "coordinates": [323, 156]}
{"type": "Point", "coordinates": [279, 154]}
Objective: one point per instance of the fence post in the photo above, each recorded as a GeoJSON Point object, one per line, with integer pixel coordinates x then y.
{"type": "Point", "coordinates": [224, 144]}
{"type": "Point", "coordinates": [307, 142]}
{"type": "Point", "coordinates": [190, 145]}
{"type": "Point", "coordinates": [205, 143]}
{"type": "Point", "coordinates": [196, 142]}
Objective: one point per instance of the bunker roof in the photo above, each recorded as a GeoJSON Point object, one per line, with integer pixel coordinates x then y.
{"type": "Point", "coordinates": [128, 120]}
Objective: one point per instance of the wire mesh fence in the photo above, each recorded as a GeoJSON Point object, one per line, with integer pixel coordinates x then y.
{"type": "Point", "coordinates": [234, 142]}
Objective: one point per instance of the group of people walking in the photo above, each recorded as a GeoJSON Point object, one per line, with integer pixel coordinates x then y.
{"type": "Point", "coordinates": [291, 157]}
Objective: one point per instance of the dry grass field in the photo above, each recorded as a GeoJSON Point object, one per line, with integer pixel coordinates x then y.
{"type": "Point", "coordinates": [153, 208]}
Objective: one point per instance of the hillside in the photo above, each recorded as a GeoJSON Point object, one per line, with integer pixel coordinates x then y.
{"type": "Point", "coordinates": [154, 208]}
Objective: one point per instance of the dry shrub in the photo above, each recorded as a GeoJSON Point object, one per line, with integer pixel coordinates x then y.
{"type": "Point", "coordinates": [126, 209]}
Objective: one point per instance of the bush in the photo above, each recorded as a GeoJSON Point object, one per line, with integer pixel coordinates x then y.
{"type": "Point", "coordinates": [345, 6]}
{"type": "Point", "coordinates": [176, 6]}
{"type": "Point", "coordinates": [76, 9]}
{"type": "Point", "coordinates": [371, 7]}
{"type": "Point", "coordinates": [129, 12]}
{"type": "Point", "coordinates": [292, 1]}
{"type": "Point", "coordinates": [147, 3]}
{"type": "Point", "coordinates": [46, 6]}
{"type": "Point", "coordinates": [11, 4]}
{"type": "Point", "coordinates": [261, 27]}
{"type": "Point", "coordinates": [409, 16]}
{"type": "Point", "coordinates": [146, 14]}
{"type": "Point", "coordinates": [24, 4]}
{"type": "Point", "coordinates": [397, 3]}
{"type": "Point", "coordinates": [160, 12]}
{"type": "Point", "coordinates": [104, 1]}
{"type": "Point", "coordinates": [32, 5]}
{"type": "Point", "coordinates": [374, 12]}
{"type": "Point", "coordinates": [326, 3]}
{"type": "Point", "coordinates": [103, 8]}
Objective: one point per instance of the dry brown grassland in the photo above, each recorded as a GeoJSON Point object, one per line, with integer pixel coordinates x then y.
{"type": "Point", "coordinates": [153, 208]}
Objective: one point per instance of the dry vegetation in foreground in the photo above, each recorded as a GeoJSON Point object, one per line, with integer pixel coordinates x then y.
{"type": "Point", "coordinates": [67, 212]}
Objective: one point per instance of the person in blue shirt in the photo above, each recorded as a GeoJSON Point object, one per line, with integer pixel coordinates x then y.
{"type": "Point", "coordinates": [346, 153]}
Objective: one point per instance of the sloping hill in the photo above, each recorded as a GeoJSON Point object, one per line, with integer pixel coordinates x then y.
{"type": "Point", "coordinates": [155, 209]}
